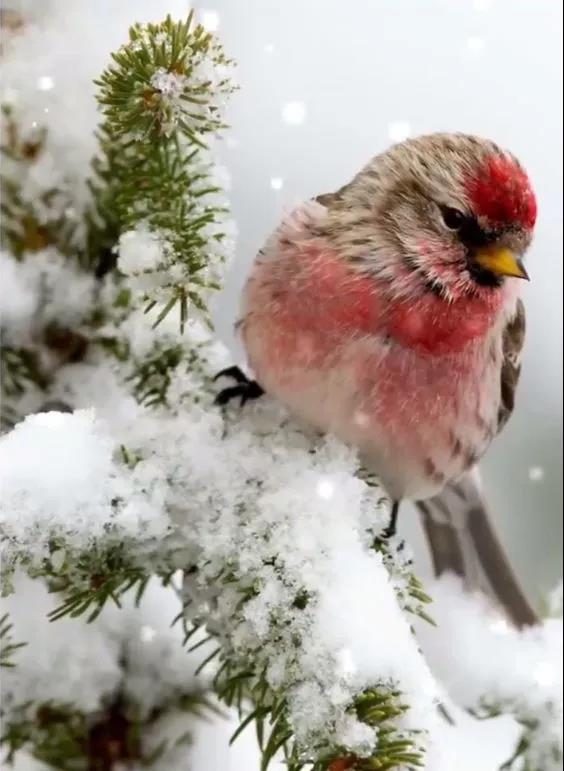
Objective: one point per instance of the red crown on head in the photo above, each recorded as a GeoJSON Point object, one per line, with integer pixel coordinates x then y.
{"type": "Point", "coordinates": [501, 191]}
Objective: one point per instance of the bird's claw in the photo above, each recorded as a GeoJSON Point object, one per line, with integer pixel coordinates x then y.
{"type": "Point", "coordinates": [245, 388]}
{"type": "Point", "coordinates": [235, 373]}
{"type": "Point", "coordinates": [392, 527]}
{"type": "Point", "coordinates": [389, 532]}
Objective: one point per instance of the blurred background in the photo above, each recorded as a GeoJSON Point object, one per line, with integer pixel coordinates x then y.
{"type": "Point", "coordinates": [325, 85]}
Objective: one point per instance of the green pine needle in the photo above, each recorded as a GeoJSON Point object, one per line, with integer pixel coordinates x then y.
{"type": "Point", "coordinates": [7, 647]}
{"type": "Point", "coordinates": [153, 169]}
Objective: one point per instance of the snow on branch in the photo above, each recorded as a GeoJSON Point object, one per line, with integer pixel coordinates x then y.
{"type": "Point", "coordinates": [119, 682]}
{"type": "Point", "coordinates": [278, 536]}
{"type": "Point", "coordinates": [491, 668]}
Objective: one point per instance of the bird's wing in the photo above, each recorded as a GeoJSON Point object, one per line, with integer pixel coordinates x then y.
{"type": "Point", "coordinates": [457, 523]}
{"type": "Point", "coordinates": [513, 339]}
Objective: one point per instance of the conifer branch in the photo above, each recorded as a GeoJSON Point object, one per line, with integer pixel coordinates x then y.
{"type": "Point", "coordinates": [153, 186]}
{"type": "Point", "coordinates": [7, 647]}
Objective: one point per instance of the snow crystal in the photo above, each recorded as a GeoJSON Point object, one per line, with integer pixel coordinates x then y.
{"type": "Point", "coordinates": [170, 84]}
{"type": "Point", "coordinates": [209, 20]}
{"type": "Point", "coordinates": [536, 473]}
{"type": "Point", "coordinates": [54, 469]}
{"type": "Point", "coordinates": [58, 475]}
{"type": "Point", "coordinates": [325, 488]}
{"type": "Point", "coordinates": [293, 113]}
{"type": "Point", "coordinates": [45, 83]}
{"type": "Point", "coordinates": [140, 250]}
{"type": "Point", "coordinates": [355, 735]}
{"type": "Point", "coordinates": [399, 130]}
{"type": "Point", "coordinates": [146, 634]}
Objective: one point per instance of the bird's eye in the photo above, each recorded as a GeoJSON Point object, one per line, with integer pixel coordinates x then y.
{"type": "Point", "coordinates": [452, 218]}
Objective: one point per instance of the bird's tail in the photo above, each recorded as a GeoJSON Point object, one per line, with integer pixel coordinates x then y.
{"type": "Point", "coordinates": [463, 541]}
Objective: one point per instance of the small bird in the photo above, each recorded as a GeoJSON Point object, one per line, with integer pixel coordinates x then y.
{"type": "Point", "coordinates": [388, 314]}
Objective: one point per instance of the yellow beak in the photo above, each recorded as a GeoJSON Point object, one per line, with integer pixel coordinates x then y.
{"type": "Point", "coordinates": [500, 261]}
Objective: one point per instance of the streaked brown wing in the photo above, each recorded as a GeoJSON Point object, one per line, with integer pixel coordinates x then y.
{"type": "Point", "coordinates": [513, 339]}
{"type": "Point", "coordinates": [460, 534]}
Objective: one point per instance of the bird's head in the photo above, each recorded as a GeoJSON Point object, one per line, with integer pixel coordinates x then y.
{"type": "Point", "coordinates": [446, 213]}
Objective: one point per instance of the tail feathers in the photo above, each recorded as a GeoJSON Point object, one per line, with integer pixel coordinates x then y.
{"type": "Point", "coordinates": [463, 541]}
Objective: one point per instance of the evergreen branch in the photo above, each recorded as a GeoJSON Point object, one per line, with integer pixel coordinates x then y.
{"type": "Point", "coordinates": [237, 687]}
{"type": "Point", "coordinates": [48, 221]}
{"type": "Point", "coordinates": [68, 739]}
{"type": "Point", "coordinates": [96, 577]}
{"type": "Point", "coordinates": [242, 684]}
{"type": "Point", "coordinates": [157, 80]}
{"type": "Point", "coordinates": [9, 416]}
{"type": "Point", "coordinates": [153, 376]}
{"type": "Point", "coordinates": [20, 368]}
{"type": "Point", "coordinates": [152, 185]}
{"type": "Point", "coordinates": [89, 578]}
{"type": "Point", "coordinates": [7, 647]}
{"type": "Point", "coordinates": [409, 589]}
{"type": "Point", "coordinates": [245, 589]}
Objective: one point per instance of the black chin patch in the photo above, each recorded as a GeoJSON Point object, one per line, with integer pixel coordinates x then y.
{"type": "Point", "coordinates": [473, 237]}
{"type": "Point", "coordinates": [484, 277]}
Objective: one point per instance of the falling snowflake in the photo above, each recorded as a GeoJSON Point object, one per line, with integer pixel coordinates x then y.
{"type": "Point", "coordinates": [293, 113]}
{"type": "Point", "coordinates": [399, 130]}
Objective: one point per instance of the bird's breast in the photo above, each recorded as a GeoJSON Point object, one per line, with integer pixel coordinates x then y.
{"type": "Point", "coordinates": [434, 326]}
{"type": "Point", "coordinates": [414, 385]}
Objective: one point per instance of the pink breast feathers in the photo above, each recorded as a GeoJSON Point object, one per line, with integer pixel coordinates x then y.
{"type": "Point", "coordinates": [437, 327]}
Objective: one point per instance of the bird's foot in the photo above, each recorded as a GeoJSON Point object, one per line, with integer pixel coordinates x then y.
{"type": "Point", "coordinates": [388, 532]}
{"type": "Point", "coordinates": [391, 530]}
{"type": "Point", "coordinates": [245, 389]}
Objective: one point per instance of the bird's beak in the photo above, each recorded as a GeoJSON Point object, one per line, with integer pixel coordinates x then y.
{"type": "Point", "coordinates": [501, 261]}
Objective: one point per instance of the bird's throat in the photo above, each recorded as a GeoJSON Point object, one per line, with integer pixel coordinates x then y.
{"type": "Point", "coordinates": [436, 326]}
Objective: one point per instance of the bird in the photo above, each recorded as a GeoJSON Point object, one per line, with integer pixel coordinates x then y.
{"type": "Point", "coordinates": [389, 314]}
